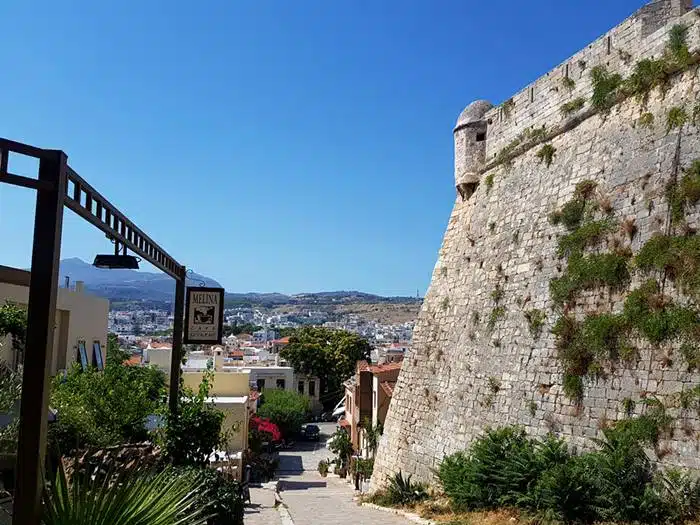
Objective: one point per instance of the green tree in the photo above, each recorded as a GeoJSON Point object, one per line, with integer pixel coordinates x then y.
{"type": "Point", "coordinates": [194, 431]}
{"type": "Point", "coordinates": [243, 328]}
{"type": "Point", "coordinates": [105, 408]}
{"type": "Point", "coordinates": [10, 395]}
{"type": "Point", "coordinates": [330, 355]}
{"type": "Point", "coordinates": [341, 446]}
{"type": "Point", "coordinates": [286, 409]}
{"type": "Point", "coordinates": [373, 433]}
{"type": "Point", "coordinates": [13, 322]}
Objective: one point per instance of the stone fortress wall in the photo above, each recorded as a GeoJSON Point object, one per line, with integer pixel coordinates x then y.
{"type": "Point", "coordinates": [462, 375]}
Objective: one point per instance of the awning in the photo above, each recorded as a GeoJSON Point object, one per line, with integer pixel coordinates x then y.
{"type": "Point", "coordinates": [338, 411]}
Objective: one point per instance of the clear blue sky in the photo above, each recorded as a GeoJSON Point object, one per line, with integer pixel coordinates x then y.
{"type": "Point", "coordinates": [272, 145]}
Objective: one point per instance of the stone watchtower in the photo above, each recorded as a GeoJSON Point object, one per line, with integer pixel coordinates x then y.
{"type": "Point", "coordinates": [470, 146]}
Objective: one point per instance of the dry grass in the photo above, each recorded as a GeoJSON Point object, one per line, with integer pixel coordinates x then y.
{"type": "Point", "coordinates": [440, 512]}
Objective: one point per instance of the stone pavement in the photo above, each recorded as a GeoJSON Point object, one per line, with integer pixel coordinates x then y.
{"type": "Point", "coordinates": [313, 500]}
{"type": "Point", "coordinates": [262, 509]}
{"type": "Point", "coordinates": [308, 498]}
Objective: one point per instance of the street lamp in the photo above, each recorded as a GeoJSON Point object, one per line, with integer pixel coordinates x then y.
{"type": "Point", "coordinates": [117, 261]}
{"type": "Point", "coordinates": [127, 262]}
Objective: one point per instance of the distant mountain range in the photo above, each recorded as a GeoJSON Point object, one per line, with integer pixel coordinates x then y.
{"type": "Point", "coordinates": [137, 286]}
{"type": "Point", "coordinates": [125, 285]}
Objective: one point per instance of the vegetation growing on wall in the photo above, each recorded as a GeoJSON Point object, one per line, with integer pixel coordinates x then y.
{"type": "Point", "coordinates": [569, 83]}
{"type": "Point", "coordinates": [546, 154]}
{"type": "Point", "coordinates": [535, 321]}
{"type": "Point", "coordinates": [646, 120]}
{"type": "Point", "coordinates": [587, 346]}
{"type": "Point", "coordinates": [573, 106]}
{"type": "Point", "coordinates": [488, 180]}
{"type": "Point", "coordinates": [605, 88]}
{"type": "Point", "coordinates": [610, 88]}
{"type": "Point", "coordinates": [676, 118]}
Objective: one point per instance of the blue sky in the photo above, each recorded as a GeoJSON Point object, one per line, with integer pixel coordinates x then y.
{"type": "Point", "coordinates": [272, 145]}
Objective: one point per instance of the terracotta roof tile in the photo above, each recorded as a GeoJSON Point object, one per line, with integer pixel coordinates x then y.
{"type": "Point", "coordinates": [363, 366]}
{"type": "Point", "coordinates": [134, 360]}
{"type": "Point", "coordinates": [388, 387]}
{"type": "Point", "coordinates": [388, 367]}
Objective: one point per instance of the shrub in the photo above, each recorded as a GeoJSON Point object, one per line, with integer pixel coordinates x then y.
{"type": "Point", "coordinates": [286, 409]}
{"type": "Point", "coordinates": [615, 483]}
{"type": "Point", "coordinates": [223, 500]}
{"type": "Point", "coordinates": [681, 495]}
{"type": "Point", "coordinates": [569, 83]}
{"type": "Point", "coordinates": [137, 497]}
{"type": "Point", "coordinates": [564, 493]}
{"type": "Point", "coordinates": [655, 317]}
{"type": "Point", "coordinates": [341, 446]}
{"type": "Point", "coordinates": [624, 476]}
{"type": "Point", "coordinates": [104, 408]}
{"type": "Point", "coordinates": [573, 386]}
{"type": "Point", "coordinates": [678, 256]}
{"type": "Point", "coordinates": [10, 395]}
{"type": "Point", "coordinates": [402, 492]}
{"type": "Point", "coordinates": [193, 433]}
{"type": "Point", "coordinates": [605, 88]}
{"type": "Point", "coordinates": [364, 467]}
{"type": "Point", "coordinates": [489, 180]}
{"type": "Point", "coordinates": [495, 472]}
{"type": "Point", "coordinates": [323, 467]}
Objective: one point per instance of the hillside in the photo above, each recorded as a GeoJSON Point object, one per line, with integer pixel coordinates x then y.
{"type": "Point", "coordinates": [127, 286]}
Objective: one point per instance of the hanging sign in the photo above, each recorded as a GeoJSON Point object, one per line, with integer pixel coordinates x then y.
{"type": "Point", "coordinates": [204, 316]}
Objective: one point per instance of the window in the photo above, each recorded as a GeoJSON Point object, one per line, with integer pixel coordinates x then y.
{"type": "Point", "coordinates": [261, 385]}
{"type": "Point", "coordinates": [300, 387]}
{"type": "Point", "coordinates": [312, 388]}
{"type": "Point", "coordinates": [481, 137]}
{"type": "Point", "coordinates": [82, 355]}
{"type": "Point", "coordinates": [97, 355]}
{"type": "Point", "coordinates": [280, 384]}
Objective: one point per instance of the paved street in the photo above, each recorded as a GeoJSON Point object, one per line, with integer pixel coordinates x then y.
{"type": "Point", "coordinates": [311, 499]}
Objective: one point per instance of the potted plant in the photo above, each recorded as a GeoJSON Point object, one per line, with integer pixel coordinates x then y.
{"type": "Point", "coordinates": [323, 467]}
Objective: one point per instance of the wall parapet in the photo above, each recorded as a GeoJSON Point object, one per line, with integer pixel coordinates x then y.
{"type": "Point", "coordinates": [538, 105]}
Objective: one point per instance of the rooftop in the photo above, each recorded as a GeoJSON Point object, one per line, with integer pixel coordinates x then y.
{"type": "Point", "coordinates": [388, 387]}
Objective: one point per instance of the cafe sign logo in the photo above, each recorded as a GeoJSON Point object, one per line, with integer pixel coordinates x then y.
{"type": "Point", "coordinates": [204, 316]}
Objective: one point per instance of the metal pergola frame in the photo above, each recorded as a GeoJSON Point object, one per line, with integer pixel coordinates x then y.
{"type": "Point", "coordinates": [59, 186]}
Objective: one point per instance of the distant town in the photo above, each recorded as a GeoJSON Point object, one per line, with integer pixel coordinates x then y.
{"type": "Point", "coordinates": [134, 324]}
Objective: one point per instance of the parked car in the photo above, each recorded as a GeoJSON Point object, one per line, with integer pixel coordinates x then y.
{"type": "Point", "coordinates": [311, 432]}
{"type": "Point", "coordinates": [328, 416]}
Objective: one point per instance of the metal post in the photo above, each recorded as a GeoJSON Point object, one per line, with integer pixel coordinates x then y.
{"type": "Point", "coordinates": [176, 355]}
{"type": "Point", "coordinates": [41, 319]}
